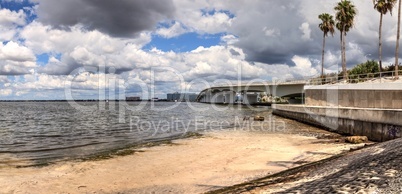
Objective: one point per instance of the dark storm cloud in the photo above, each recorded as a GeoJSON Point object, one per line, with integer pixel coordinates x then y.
{"type": "Point", "coordinates": [15, 71]}
{"type": "Point", "coordinates": [271, 57]}
{"type": "Point", "coordinates": [266, 38]}
{"type": "Point", "coordinates": [68, 65]}
{"type": "Point", "coordinates": [119, 18]}
{"type": "Point", "coordinates": [234, 53]}
{"type": "Point", "coordinates": [272, 32]}
{"type": "Point", "coordinates": [65, 67]}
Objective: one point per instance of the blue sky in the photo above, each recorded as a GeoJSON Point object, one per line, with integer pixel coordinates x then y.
{"type": "Point", "coordinates": [183, 43]}
{"type": "Point", "coordinates": [62, 49]}
{"type": "Point", "coordinates": [15, 5]}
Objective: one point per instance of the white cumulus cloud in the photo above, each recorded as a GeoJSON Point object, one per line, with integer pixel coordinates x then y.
{"type": "Point", "coordinates": [5, 92]}
{"type": "Point", "coordinates": [9, 21]}
{"type": "Point", "coordinates": [14, 52]}
{"type": "Point", "coordinates": [16, 59]}
{"type": "Point", "coordinates": [305, 28]}
{"type": "Point", "coordinates": [174, 30]}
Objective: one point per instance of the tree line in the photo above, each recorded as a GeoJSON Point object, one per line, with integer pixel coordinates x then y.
{"type": "Point", "coordinates": [345, 13]}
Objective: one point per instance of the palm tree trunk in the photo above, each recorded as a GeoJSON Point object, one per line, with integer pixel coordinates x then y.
{"type": "Point", "coordinates": [323, 52]}
{"type": "Point", "coordinates": [380, 44]}
{"type": "Point", "coordinates": [345, 73]}
{"type": "Point", "coordinates": [341, 35]}
{"type": "Point", "coordinates": [397, 40]}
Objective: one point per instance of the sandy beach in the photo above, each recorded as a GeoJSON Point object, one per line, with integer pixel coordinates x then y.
{"type": "Point", "coordinates": [194, 165]}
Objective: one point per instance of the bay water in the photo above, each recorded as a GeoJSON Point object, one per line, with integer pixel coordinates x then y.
{"type": "Point", "coordinates": [35, 133]}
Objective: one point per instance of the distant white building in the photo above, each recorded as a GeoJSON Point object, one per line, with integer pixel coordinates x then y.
{"type": "Point", "coordinates": [133, 98]}
{"type": "Point", "coordinates": [189, 97]}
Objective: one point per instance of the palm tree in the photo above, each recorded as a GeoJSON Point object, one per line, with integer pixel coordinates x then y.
{"type": "Point", "coordinates": [382, 6]}
{"type": "Point", "coordinates": [326, 26]}
{"type": "Point", "coordinates": [397, 40]}
{"type": "Point", "coordinates": [340, 27]}
{"type": "Point", "coordinates": [345, 15]}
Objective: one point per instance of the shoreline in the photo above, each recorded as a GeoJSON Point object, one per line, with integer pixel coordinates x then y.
{"type": "Point", "coordinates": [104, 155]}
{"type": "Point", "coordinates": [196, 165]}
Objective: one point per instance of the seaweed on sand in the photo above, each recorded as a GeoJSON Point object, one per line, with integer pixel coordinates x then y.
{"type": "Point", "coordinates": [121, 151]}
{"type": "Point", "coordinates": [132, 149]}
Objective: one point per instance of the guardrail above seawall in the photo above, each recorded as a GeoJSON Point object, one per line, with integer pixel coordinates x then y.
{"type": "Point", "coordinates": [380, 77]}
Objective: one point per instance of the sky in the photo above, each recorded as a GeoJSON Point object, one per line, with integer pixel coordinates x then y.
{"type": "Point", "coordinates": [97, 49]}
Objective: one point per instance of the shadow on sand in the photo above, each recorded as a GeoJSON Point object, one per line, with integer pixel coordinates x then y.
{"type": "Point", "coordinates": [372, 168]}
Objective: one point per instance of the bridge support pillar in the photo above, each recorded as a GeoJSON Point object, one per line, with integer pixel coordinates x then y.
{"type": "Point", "coordinates": [208, 97]}
{"type": "Point", "coordinates": [218, 98]}
{"type": "Point", "coordinates": [249, 98]}
{"type": "Point", "coordinates": [229, 97]}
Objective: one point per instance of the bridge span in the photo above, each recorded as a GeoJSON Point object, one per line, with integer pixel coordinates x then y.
{"type": "Point", "coordinates": [252, 92]}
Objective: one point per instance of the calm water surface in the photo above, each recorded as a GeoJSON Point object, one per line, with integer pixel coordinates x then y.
{"type": "Point", "coordinates": [42, 132]}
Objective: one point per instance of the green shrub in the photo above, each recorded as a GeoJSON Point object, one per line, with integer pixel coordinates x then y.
{"type": "Point", "coordinates": [364, 68]}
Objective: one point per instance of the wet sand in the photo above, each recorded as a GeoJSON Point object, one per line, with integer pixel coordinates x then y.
{"type": "Point", "coordinates": [195, 165]}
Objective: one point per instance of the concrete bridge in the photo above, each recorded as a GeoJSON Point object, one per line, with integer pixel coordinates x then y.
{"type": "Point", "coordinates": [251, 93]}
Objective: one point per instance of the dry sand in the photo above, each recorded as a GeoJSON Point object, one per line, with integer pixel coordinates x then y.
{"type": "Point", "coordinates": [197, 165]}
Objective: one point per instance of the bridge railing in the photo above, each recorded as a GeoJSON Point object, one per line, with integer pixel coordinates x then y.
{"type": "Point", "coordinates": [379, 77]}
{"type": "Point", "coordinates": [251, 82]}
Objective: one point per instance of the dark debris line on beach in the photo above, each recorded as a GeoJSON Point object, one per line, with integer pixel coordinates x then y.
{"type": "Point", "coordinates": [374, 168]}
{"type": "Point", "coordinates": [131, 149]}
{"type": "Point", "coordinates": [121, 151]}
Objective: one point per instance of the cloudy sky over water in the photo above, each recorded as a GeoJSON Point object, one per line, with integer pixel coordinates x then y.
{"type": "Point", "coordinates": [70, 49]}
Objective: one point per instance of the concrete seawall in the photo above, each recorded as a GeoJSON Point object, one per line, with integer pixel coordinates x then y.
{"type": "Point", "coordinates": [364, 95]}
{"type": "Point", "coordinates": [377, 124]}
